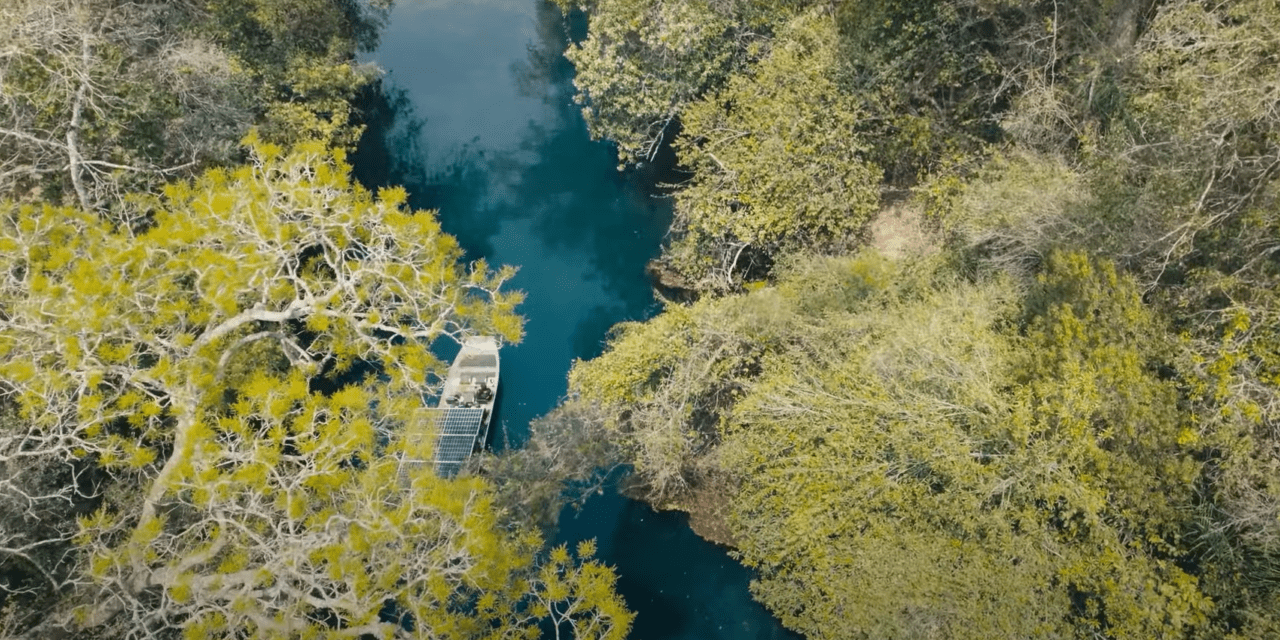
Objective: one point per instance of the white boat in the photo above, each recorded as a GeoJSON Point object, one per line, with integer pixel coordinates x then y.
{"type": "Point", "coordinates": [470, 389]}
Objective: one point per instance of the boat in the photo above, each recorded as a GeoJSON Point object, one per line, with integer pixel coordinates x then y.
{"type": "Point", "coordinates": [466, 403]}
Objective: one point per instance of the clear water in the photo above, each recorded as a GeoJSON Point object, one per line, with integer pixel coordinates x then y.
{"type": "Point", "coordinates": [475, 117]}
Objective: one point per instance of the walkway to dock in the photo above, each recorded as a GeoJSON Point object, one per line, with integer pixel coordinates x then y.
{"type": "Point", "coordinates": [456, 431]}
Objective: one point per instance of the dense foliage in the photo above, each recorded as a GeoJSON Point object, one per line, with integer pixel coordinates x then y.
{"type": "Point", "coordinates": [180, 358]}
{"type": "Point", "coordinates": [774, 166]}
{"type": "Point", "coordinates": [102, 97]}
{"type": "Point", "coordinates": [215, 348]}
{"type": "Point", "coordinates": [1060, 416]}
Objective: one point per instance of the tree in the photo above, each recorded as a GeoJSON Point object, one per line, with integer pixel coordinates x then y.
{"type": "Point", "coordinates": [664, 387]}
{"type": "Point", "coordinates": [657, 392]}
{"type": "Point", "coordinates": [181, 353]}
{"type": "Point", "coordinates": [915, 455]}
{"type": "Point", "coordinates": [1178, 184]}
{"type": "Point", "coordinates": [577, 597]}
{"type": "Point", "coordinates": [776, 164]}
{"type": "Point", "coordinates": [1167, 159]}
{"type": "Point", "coordinates": [927, 75]}
{"type": "Point", "coordinates": [1016, 208]}
{"type": "Point", "coordinates": [99, 98]}
{"type": "Point", "coordinates": [643, 61]}
{"type": "Point", "coordinates": [1180, 158]}
{"type": "Point", "coordinates": [300, 58]}
{"type": "Point", "coordinates": [932, 465]}
{"type": "Point", "coordinates": [563, 462]}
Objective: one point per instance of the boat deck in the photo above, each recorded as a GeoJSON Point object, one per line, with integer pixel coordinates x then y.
{"type": "Point", "coordinates": [459, 424]}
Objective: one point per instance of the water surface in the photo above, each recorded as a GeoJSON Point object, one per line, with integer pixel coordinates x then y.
{"type": "Point", "coordinates": [475, 117]}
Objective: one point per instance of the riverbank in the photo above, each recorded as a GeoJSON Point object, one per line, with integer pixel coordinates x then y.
{"type": "Point", "coordinates": [511, 167]}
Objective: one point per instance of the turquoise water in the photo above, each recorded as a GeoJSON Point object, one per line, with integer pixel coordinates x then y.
{"type": "Point", "coordinates": [475, 118]}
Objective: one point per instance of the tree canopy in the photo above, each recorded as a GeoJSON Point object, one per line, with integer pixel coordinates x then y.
{"type": "Point", "coordinates": [644, 61]}
{"type": "Point", "coordinates": [774, 164]}
{"type": "Point", "coordinates": [1058, 418]}
{"type": "Point", "coordinates": [913, 455]}
{"type": "Point", "coordinates": [100, 98]}
{"type": "Point", "coordinates": [183, 353]}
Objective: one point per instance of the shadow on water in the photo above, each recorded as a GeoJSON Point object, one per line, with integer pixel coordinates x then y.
{"type": "Point", "coordinates": [562, 182]}
{"type": "Point", "coordinates": [548, 199]}
{"type": "Point", "coordinates": [392, 152]}
{"type": "Point", "coordinates": [552, 203]}
{"type": "Point", "coordinates": [682, 586]}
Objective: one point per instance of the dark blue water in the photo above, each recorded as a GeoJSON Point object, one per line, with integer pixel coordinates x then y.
{"type": "Point", "coordinates": [475, 117]}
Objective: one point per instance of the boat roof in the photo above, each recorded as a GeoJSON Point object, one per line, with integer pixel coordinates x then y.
{"type": "Point", "coordinates": [480, 343]}
{"type": "Point", "coordinates": [478, 360]}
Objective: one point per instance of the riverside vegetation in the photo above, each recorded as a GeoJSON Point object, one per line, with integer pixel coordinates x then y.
{"type": "Point", "coordinates": [1056, 412]}
{"type": "Point", "coordinates": [209, 338]}
{"type": "Point", "coordinates": [1053, 414]}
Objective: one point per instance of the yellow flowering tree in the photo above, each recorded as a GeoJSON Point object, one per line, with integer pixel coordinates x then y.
{"type": "Point", "coordinates": [905, 453]}
{"type": "Point", "coordinates": [776, 163]}
{"type": "Point", "coordinates": [181, 353]}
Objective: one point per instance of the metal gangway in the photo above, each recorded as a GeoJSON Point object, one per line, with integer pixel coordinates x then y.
{"type": "Point", "coordinates": [444, 439]}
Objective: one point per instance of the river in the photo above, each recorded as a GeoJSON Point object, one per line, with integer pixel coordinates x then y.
{"type": "Point", "coordinates": [475, 117]}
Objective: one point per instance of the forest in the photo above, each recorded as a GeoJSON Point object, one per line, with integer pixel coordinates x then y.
{"type": "Point", "coordinates": [210, 336]}
{"type": "Point", "coordinates": [971, 327]}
